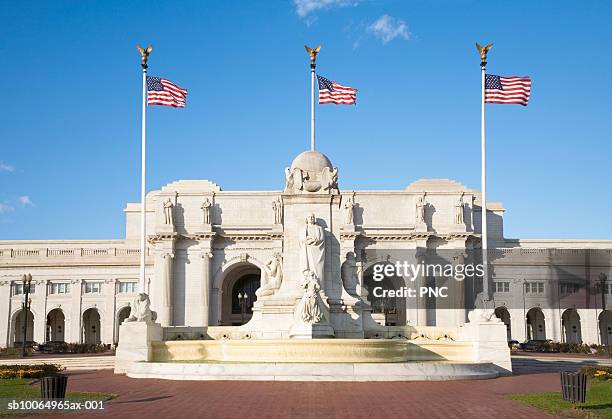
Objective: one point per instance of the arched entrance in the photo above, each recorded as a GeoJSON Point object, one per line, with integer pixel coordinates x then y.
{"type": "Point", "coordinates": [91, 326]}
{"type": "Point", "coordinates": [570, 322]}
{"type": "Point", "coordinates": [388, 311]}
{"type": "Point", "coordinates": [503, 314]}
{"type": "Point", "coordinates": [122, 315]}
{"type": "Point", "coordinates": [536, 324]}
{"type": "Point", "coordinates": [242, 280]}
{"type": "Point", "coordinates": [18, 327]}
{"type": "Point", "coordinates": [55, 326]}
{"type": "Point", "coordinates": [605, 327]}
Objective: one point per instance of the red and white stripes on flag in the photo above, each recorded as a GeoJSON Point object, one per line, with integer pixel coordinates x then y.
{"type": "Point", "coordinates": [507, 90]}
{"type": "Point", "coordinates": [165, 93]}
{"type": "Point", "coordinates": [332, 92]}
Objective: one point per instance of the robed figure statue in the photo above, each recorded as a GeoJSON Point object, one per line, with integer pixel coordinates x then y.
{"type": "Point", "coordinates": [312, 249]}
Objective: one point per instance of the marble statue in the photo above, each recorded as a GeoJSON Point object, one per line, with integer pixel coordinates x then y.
{"type": "Point", "coordinates": [329, 179]}
{"type": "Point", "coordinates": [459, 210]}
{"type": "Point", "coordinates": [308, 308]}
{"type": "Point", "coordinates": [206, 205]}
{"type": "Point", "coordinates": [349, 207]}
{"type": "Point", "coordinates": [294, 179]}
{"type": "Point", "coordinates": [348, 273]}
{"type": "Point", "coordinates": [420, 210]}
{"type": "Point", "coordinates": [277, 207]}
{"type": "Point", "coordinates": [312, 249]}
{"type": "Point", "coordinates": [168, 215]}
{"type": "Point", "coordinates": [271, 276]}
{"type": "Point", "coordinates": [140, 309]}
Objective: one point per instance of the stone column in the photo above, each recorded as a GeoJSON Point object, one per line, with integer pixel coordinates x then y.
{"type": "Point", "coordinates": [205, 287]}
{"type": "Point", "coordinates": [107, 334]}
{"type": "Point", "coordinates": [38, 306]}
{"type": "Point", "coordinates": [166, 288]}
{"type": "Point", "coordinates": [458, 290]}
{"type": "Point", "coordinates": [421, 309]}
{"type": "Point", "coordinates": [161, 285]}
{"type": "Point", "coordinates": [75, 333]}
{"type": "Point", "coordinates": [5, 327]}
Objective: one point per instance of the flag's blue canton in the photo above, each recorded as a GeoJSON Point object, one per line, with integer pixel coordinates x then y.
{"type": "Point", "coordinates": [493, 82]}
{"type": "Point", "coordinates": [154, 84]}
{"type": "Point", "coordinates": [325, 84]}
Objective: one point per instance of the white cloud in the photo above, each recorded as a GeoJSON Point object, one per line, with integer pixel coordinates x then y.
{"type": "Point", "coordinates": [387, 28]}
{"type": "Point", "coordinates": [4, 208]}
{"type": "Point", "coordinates": [6, 167]}
{"type": "Point", "coordinates": [25, 200]}
{"type": "Point", "coordinates": [305, 7]}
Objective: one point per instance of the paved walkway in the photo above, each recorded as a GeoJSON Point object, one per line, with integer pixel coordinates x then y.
{"type": "Point", "coordinates": [231, 399]}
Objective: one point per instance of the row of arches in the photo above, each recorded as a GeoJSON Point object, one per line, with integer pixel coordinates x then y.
{"type": "Point", "coordinates": [571, 327]}
{"type": "Point", "coordinates": [55, 326]}
{"type": "Point", "coordinates": [245, 280]}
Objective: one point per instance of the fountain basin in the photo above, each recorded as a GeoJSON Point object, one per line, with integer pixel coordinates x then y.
{"type": "Point", "coordinates": [310, 351]}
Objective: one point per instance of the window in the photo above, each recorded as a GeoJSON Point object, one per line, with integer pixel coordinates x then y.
{"type": "Point", "coordinates": [569, 289]}
{"type": "Point", "coordinates": [18, 288]}
{"type": "Point", "coordinates": [59, 288]}
{"type": "Point", "coordinates": [534, 287]}
{"type": "Point", "coordinates": [128, 287]}
{"type": "Point", "coordinates": [502, 286]}
{"type": "Point", "coordinates": [93, 287]}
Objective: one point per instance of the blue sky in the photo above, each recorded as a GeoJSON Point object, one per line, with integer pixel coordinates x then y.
{"type": "Point", "coordinates": [70, 135]}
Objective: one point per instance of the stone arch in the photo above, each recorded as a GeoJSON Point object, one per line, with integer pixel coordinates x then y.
{"type": "Point", "coordinates": [503, 314]}
{"type": "Point", "coordinates": [605, 327]}
{"type": "Point", "coordinates": [122, 314]}
{"type": "Point", "coordinates": [228, 267]}
{"type": "Point", "coordinates": [535, 324]}
{"type": "Point", "coordinates": [55, 325]}
{"type": "Point", "coordinates": [17, 325]}
{"type": "Point", "coordinates": [570, 324]}
{"type": "Point", "coordinates": [387, 311]}
{"type": "Point", "coordinates": [92, 322]}
{"type": "Point", "coordinates": [240, 274]}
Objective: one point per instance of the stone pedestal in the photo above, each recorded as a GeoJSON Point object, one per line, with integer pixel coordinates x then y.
{"type": "Point", "coordinates": [489, 342]}
{"type": "Point", "coordinates": [135, 343]}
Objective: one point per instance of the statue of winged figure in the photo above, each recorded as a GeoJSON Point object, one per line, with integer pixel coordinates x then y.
{"type": "Point", "coordinates": [483, 51]}
{"type": "Point", "coordinates": [144, 53]}
{"type": "Point", "coordinates": [312, 52]}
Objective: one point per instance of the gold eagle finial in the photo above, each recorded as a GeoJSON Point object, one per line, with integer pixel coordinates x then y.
{"type": "Point", "coordinates": [312, 52]}
{"type": "Point", "coordinates": [483, 51]}
{"type": "Point", "coordinates": [144, 54]}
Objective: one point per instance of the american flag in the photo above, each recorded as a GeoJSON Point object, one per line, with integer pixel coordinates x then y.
{"type": "Point", "coordinates": [164, 92]}
{"type": "Point", "coordinates": [507, 90]}
{"type": "Point", "coordinates": [332, 92]}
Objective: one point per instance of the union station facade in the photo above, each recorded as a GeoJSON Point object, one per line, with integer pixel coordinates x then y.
{"type": "Point", "coordinates": [207, 249]}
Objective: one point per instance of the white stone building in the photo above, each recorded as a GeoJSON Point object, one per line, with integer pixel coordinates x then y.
{"type": "Point", "coordinates": [210, 254]}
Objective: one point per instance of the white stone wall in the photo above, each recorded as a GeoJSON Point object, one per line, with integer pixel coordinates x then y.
{"type": "Point", "coordinates": [200, 258]}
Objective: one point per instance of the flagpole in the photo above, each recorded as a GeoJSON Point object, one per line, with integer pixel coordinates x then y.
{"type": "Point", "coordinates": [483, 149]}
{"type": "Point", "coordinates": [312, 52]}
{"type": "Point", "coordinates": [143, 168]}
{"type": "Point", "coordinates": [312, 106]}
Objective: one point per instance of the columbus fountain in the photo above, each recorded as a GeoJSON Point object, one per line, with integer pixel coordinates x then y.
{"type": "Point", "coordinates": [312, 319]}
